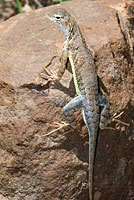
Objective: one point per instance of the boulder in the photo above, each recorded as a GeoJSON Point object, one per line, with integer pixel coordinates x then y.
{"type": "Point", "coordinates": [37, 161]}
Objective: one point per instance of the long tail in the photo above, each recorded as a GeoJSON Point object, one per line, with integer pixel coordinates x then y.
{"type": "Point", "coordinates": [92, 147]}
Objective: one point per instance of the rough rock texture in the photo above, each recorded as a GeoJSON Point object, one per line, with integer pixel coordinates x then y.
{"type": "Point", "coordinates": [36, 166]}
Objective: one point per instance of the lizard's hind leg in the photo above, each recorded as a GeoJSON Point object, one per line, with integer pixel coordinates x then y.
{"type": "Point", "coordinates": [104, 116]}
{"type": "Point", "coordinates": [73, 105]}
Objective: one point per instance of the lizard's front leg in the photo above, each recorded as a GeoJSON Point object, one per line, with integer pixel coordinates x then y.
{"type": "Point", "coordinates": [49, 75]}
{"type": "Point", "coordinates": [63, 61]}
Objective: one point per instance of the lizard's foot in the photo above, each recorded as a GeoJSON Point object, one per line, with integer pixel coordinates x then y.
{"type": "Point", "coordinates": [49, 75]}
{"type": "Point", "coordinates": [104, 124]}
{"type": "Point", "coordinates": [114, 119]}
{"type": "Point", "coordinates": [58, 126]}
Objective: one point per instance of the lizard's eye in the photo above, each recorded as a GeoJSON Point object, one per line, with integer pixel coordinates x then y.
{"type": "Point", "coordinates": [58, 17]}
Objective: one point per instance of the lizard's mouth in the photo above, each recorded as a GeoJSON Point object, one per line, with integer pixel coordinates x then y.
{"type": "Point", "coordinates": [49, 17]}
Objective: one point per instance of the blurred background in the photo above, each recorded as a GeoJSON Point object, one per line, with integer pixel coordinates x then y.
{"type": "Point", "coordinates": [9, 8]}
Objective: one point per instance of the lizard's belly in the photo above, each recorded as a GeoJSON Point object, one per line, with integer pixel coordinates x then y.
{"type": "Point", "coordinates": [74, 76]}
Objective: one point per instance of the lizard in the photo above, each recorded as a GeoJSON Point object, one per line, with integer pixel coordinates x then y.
{"type": "Point", "coordinates": [95, 106]}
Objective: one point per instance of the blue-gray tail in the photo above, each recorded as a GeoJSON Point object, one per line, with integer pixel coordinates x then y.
{"type": "Point", "coordinates": [92, 147]}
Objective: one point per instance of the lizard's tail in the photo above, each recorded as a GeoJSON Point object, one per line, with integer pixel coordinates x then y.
{"type": "Point", "coordinates": [92, 147]}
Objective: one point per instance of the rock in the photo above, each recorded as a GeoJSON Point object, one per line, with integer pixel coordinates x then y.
{"type": "Point", "coordinates": [35, 164]}
{"type": "Point", "coordinates": [3, 198]}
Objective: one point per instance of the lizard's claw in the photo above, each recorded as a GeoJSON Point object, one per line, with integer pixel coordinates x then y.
{"type": "Point", "coordinates": [49, 75]}
{"type": "Point", "coordinates": [58, 126]}
{"type": "Point", "coordinates": [114, 119]}
{"type": "Point", "coordinates": [115, 116]}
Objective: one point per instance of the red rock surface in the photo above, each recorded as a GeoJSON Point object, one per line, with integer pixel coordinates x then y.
{"type": "Point", "coordinates": [34, 166]}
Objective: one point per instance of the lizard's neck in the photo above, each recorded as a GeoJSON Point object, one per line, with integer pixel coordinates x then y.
{"type": "Point", "coordinates": [64, 30]}
{"type": "Point", "coordinates": [70, 29]}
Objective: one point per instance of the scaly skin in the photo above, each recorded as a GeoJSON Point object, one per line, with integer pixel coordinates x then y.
{"type": "Point", "coordinates": [85, 80]}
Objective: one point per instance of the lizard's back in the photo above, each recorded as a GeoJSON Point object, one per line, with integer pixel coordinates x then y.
{"type": "Point", "coordinates": [84, 74]}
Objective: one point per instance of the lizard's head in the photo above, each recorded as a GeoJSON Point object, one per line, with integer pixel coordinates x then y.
{"type": "Point", "coordinates": [61, 17]}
